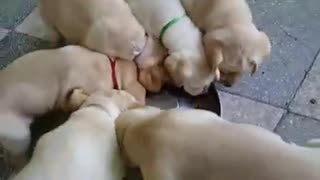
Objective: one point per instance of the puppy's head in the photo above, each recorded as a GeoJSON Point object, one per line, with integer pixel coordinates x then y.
{"type": "Point", "coordinates": [243, 49]}
{"type": "Point", "coordinates": [189, 70]}
{"type": "Point", "coordinates": [126, 135]}
{"type": "Point", "coordinates": [107, 100]}
{"type": "Point", "coordinates": [136, 37]}
{"type": "Point", "coordinates": [133, 117]}
{"type": "Point", "coordinates": [124, 40]}
{"type": "Point", "coordinates": [153, 78]}
{"type": "Point", "coordinates": [152, 74]}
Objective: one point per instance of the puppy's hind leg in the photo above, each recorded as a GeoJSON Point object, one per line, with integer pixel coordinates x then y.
{"type": "Point", "coordinates": [15, 138]}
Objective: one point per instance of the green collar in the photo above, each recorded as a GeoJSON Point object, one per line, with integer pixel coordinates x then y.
{"type": "Point", "coordinates": [168, 25]}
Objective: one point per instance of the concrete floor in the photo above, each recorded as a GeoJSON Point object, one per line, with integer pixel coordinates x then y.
{"type": "Point", "coordinates": [284, 96]}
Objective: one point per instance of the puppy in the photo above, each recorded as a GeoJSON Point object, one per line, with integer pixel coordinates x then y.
{"type": "Point", "coordinates": [43, 80]}
{"type": "Point", "coordinates": [197, 144]}
{"type": "Point", "coordinates": [106, 26]}
{"type": "Point", "coordinates": [230, 33]}
{"type": "Point", "coordinates": [85, 147]}
{"type": "Point", "coordinates": [99, 28]}
{"type": "Point", "coordinates": [186, 64]}
{"type": "Point", "coordinates": [150, 62]}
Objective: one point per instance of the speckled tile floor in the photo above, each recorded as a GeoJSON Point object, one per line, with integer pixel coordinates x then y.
{"type": "Point", "coordinates": [284, 96]}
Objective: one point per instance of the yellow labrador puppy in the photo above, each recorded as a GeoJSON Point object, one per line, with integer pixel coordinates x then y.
{"type": "Point", "coordinates": [186, 64]}
{"type": "Point", "coordinates": [44, 80]}
{"type": "Point", "coordinates": [106, 26]}
{"type": "Point", "coordinates": [231, 34]}
{"type": "Point", "coordinates": [197, 144]}
{"type": "Point", "coordinates": [150, 62]}
{"type": "Point", "coordinates": [85, 147]}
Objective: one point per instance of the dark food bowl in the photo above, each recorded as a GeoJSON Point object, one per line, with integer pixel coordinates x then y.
{"type": "Point", "coordinates": [170, 98]}
{"type": "Point", "coordinates": [174, 97]}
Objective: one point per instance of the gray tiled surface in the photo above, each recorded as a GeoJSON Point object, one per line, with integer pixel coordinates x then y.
{"type": "Point", "coordinates": [293, 26]}
{"type": "Point", "coordinates": [3, 33]}
{"type": "Point", "coordinates": [13, 12]}
{"type": "Point", "coordinates": [264, 99]}
{"type": "Point", "coordinates": [307, 100]}
{"type": "Point", "coordinates": [242, 110]}
{"type": "Point", "coordinates": [34, 26]}
{"type": "Point", "coordinates": [298, 129]}
{"type": "Point", "coordinates": [16, 44]}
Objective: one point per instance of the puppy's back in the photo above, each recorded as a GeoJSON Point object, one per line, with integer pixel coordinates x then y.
{"type": "Point", "coordinates": [218, 149]}
{"type": "Point", "coordinates": [42, 64]}
{"type": "Point", "coordinates": [210, 14]}
{"type": "Point", "coordinates": [42, 76]}
{"type": "Point", "coordinates": [228, 151]}
{"type": "Point", "coordinates": [83, 148]}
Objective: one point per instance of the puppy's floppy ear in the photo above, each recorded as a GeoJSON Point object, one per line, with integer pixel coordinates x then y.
{"type": "Point", "coordinates": [254, 67]}
{"type": "Point", "coordinates": [261, 46]}
{"type": "Point", "coordinates": [178, 68]}
{"type": "Point", "coordinates": [214, 54]}
{"type": "Point", "coordinates": [74, 99]}
{"type": "Point", "coordinates": [214, 44]}
{"type": "Point", "coordinates": [151, 80]}
{"type": "Point", "coordinates": [264, 44]}
{"type": "Point", "coordinates": [145, 79]}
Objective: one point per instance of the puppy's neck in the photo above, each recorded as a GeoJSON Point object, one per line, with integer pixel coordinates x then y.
{"type": "Point", "coordinates": [152, 54]}
{"type": "Point", "coordinates": [182, 35]}
{"type": "Point", "coordinates": [110, 108]}
{"type": "Point", "coordinates": [125, 71]}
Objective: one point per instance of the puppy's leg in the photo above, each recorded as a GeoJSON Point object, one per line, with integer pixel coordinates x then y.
{"type": "Point", "coordinates": [15, 138]}
{"type": "Point", "coordinates": [75, 99]}
{"type": "Point", "coordinates": [138, 91]}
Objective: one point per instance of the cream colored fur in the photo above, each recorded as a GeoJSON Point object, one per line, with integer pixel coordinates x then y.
{"type": "Point", "coordinates": [231, 39]}
{"type": "Point", "coordinates": [150, 62]}
{"type": "Point", "coordinates": [106, 26]}
{"type": "Point", "coordinates": [196, 144]}
{"type": "Point", "coordinates": [186, 63]}
{"type": "Point", "coordinates": [85, 147]}
{"type": "Point", "coordinates": [44, 80]}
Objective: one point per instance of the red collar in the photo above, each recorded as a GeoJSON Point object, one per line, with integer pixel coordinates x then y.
{"type": "Point", "coordinates": [113, 72]}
